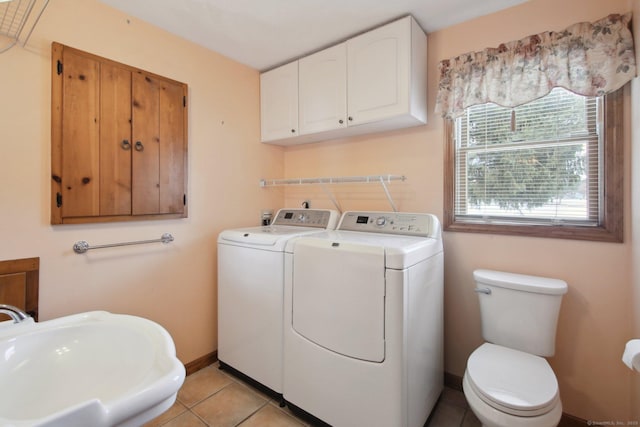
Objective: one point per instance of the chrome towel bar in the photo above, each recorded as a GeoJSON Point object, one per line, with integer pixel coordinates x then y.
{"type": "Point", "coordinates": [82, 246]}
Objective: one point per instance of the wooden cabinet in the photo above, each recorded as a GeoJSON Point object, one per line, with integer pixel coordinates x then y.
{"type": "Point", "coordinates": [119, 141]}
{"type": "Point", "coordinates": [373, 82]}
{"type": "Point", "coordinates": [19, 285]}
{"type": "Point", "coordinates": [279, 102]}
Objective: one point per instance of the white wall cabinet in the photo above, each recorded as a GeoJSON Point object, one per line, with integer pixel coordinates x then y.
{"type": "Point", "coordinates": [374, 82]}
{"type": "Point", "coordinates": [322, 93]}
{"type": "Point", "coordinates": [279, 103]}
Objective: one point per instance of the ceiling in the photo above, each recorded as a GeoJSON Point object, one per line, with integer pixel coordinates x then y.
{"type": "Point", "coordinates": [266, 33]}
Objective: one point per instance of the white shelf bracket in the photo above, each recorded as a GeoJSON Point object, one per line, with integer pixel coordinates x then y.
{"type": "Point", "coordinates": [331, 196]}
{"type": "Point", "coordinates": [389, 198]}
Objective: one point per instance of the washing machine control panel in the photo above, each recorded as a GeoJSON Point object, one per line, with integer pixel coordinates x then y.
{"type": "Point", "coordinates": [321, 218]}
{"type": "Point", "coordinates": [413, 224]}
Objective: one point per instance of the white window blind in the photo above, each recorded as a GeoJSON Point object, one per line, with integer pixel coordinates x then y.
{"type": "Point", "coordinates": [537, 163]}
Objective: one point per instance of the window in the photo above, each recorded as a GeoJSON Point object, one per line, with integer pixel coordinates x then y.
{"type": "Point", "coordinates": [548, 168]}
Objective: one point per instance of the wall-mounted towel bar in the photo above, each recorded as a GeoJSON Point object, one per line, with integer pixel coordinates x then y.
{"type": "Point", "coordinates": [82, 246]}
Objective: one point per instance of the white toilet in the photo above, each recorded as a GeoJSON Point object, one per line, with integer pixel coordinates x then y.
{"type": "Point", "coordinates": [508, 383]}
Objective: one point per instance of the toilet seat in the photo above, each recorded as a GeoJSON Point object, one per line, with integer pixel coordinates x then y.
{"type": "Point", "coordinates": [512, 381]}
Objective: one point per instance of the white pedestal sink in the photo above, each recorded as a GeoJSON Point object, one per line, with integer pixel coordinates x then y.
{"type": "Point", "coordinates": [90, 369]}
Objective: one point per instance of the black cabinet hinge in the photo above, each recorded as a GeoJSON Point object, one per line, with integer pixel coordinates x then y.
{"type": "Point", "coordinates": [59, 67]}
{"type": "Point", "coordinates": [184, 101]}
{"type": "Point", "coordinates": [184, 199]}
{"type": "Point", "coordinates": [58, 199]}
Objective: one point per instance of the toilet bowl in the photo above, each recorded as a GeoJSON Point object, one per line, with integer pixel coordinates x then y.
{"type": "Point", "coordinates": [507, 382]}
{"type": "Point", "coordinates": [506, 387]}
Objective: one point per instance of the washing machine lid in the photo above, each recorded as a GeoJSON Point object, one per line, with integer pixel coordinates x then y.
{"type": "Point", "coordinates": [512, 381]}
{"type": "Point", "coordinates": [287, 223]}
{"type": "Point", "coordinates": [270, 237]}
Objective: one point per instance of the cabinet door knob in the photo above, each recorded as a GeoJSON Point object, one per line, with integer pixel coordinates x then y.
{"type": "Point", "coordinates": [341, 121]}
{"type": "Point", "coordinates": [350, 118]}
{"type": "Point", "coordinates": [293, 131]}
{"type": "Point", "coordinates": [125, 144]}
{"type": "Point", "coordinates": [139, 146]}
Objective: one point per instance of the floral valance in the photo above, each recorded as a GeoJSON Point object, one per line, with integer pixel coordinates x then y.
{"type": "Point", "coordinates": [590, 59]}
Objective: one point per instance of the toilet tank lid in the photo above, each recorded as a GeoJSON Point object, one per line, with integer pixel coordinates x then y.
{"type": "Point", "coordinates": [521, 282]}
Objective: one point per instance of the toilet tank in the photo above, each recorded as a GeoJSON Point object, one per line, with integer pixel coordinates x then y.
{"type": "Point", "coordinates": [519, 311]}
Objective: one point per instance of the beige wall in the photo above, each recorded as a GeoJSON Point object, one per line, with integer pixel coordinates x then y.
{"type": "Point", "coordinates": [174, 285]}
{"type": "Point", "coordinates": [595, 319]}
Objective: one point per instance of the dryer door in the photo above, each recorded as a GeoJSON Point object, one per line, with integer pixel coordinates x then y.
{"type": "Point", "coordinates": [338, 296]}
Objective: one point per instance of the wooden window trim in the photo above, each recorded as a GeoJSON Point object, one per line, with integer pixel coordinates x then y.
{"type": "Point", "coordinates": [611, 228]}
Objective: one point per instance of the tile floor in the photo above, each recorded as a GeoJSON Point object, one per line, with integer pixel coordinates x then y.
{"type": "Point", "coordinates": [211, 397]}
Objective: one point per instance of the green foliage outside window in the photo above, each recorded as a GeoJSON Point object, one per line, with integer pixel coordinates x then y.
{"type": "Point", "coordinates": [529, 156]}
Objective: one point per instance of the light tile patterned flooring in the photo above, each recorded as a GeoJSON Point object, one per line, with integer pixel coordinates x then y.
{"type": "Point", "coordinates": [211, 397]}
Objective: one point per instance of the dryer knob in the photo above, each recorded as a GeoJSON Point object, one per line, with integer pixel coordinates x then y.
{"type": "Point", "coordinates": [381, 221]}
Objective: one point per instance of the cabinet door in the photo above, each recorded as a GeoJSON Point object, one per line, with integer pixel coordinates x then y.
{"type": "Point", "coordinates": [279, 102]}
{"type": "Point", "coordinates": [323, 90]}
{"type": "Point", "coordinates": [80, 183]}
{"type": "Point", "coordinates": [158, 154]}
{"type": "Point", "coordinates": [378, 64]}
{"type": "Point", "coordinates": [145, 174]}
{"type": "Point", "coordinates": [115, 140]}
{"type": "Point", "coordinates": [173, 147]}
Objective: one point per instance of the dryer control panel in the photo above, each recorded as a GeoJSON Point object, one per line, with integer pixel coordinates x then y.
{"type": "Point", "coordinates": [321, 218]}
{"type": "Point", "coordinates": [412, 224]}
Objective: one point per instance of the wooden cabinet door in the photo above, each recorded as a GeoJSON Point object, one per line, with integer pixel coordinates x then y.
{"type": "Point", "coordinates": [172, 148]}
{"type": "Point", "coordinates": [80, 180]}
{"type": "Point", "coordinates": [279, 102]}
{"type": "Point", "coordinates": [115, 140]}
{"type": "Point", "coordinates": [378, 72]}
{"type": "Point", "coordinates": [323, 90]}
{"type": "Point", "coordinates": [158, 168]}
{"type": "Point", "coordinates": [146, 145]}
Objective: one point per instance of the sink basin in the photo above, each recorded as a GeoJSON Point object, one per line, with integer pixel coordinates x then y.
{"type": "Point", "coordinates": [89, 369]}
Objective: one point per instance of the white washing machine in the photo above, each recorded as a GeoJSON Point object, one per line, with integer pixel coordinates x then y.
{"type": "Point", "coordinates": [364, 320]}
{"type": "Point", "coordinates": [251, 294]}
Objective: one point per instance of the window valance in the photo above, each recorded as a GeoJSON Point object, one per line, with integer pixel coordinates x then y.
{"type": "Point", "coordinates": [590, 59]}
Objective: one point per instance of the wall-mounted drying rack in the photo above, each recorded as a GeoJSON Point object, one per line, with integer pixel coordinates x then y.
{"type": "Point", "coordinates": [14, 21]}
{"type": "Point", "coordinates": [383, 180]}
{"type": "Point", "coordinates": [83, 246]}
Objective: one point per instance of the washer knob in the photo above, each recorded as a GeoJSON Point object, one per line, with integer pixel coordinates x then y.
{"type": "Point", "coordinates": [302, 217]}
{"type": "Point", "coordinates": [381, 221]}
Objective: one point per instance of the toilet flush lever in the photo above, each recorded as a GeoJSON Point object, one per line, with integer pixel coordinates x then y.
{"type": "Point", "coordinates": [483, 291]}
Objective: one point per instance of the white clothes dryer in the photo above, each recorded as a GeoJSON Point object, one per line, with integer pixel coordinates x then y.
{"type": "Point", "coordinates": [364, 320]}
{"type": "Point", "coordinates": [251, 293]}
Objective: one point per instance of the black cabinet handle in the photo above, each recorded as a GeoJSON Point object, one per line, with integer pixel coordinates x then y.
{"type": "Point", "coordinates": [125, 144]}
{"type": "Point", "coordinates": [139, 146]}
